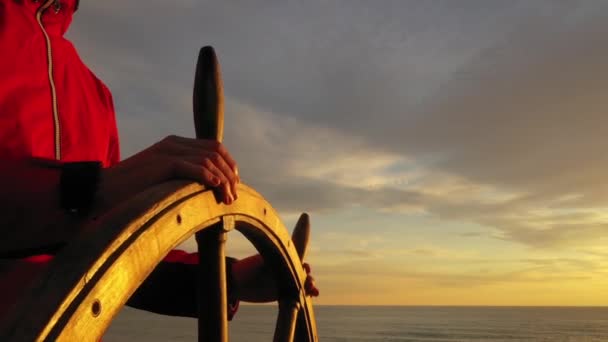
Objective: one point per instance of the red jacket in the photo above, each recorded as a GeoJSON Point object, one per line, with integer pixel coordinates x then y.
{"type": "Point", "coordinates": [52, 106]}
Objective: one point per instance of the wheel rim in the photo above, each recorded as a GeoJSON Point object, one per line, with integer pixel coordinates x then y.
{"type": "Point", "coordinates": [96, 274]}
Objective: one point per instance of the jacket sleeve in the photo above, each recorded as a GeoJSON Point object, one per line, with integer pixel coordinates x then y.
{"type": "Point", "coordinates": [31, 218]}
{"type": "Point", "coordinates": [113, 155]}
{"type": "Point", "coordinates": [171, 289]}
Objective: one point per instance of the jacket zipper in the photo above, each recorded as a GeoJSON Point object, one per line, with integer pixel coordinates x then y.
{"type": "Point", "coordinates": [49, 52]}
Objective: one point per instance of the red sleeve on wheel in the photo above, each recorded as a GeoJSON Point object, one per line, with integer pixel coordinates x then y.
{"type": "Point", "coordinates": [171, 289]}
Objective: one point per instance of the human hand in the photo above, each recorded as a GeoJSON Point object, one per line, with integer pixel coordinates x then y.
{"type": "Point", "coordinates": [255, 282]}
{"type": "Point", "coordinates": [205, 161]}
{"type": "Point", "coordinates": [309, 285]}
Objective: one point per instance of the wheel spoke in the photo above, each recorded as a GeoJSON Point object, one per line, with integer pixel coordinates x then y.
{"type": "Point", "coordinates": [213, 295]}
{"type": "Point", "coordinates": [286, 321]}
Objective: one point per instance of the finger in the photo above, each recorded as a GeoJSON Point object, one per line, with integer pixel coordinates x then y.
{"type": "Point", "coordinates": [207, 161]}
{"type": "Point", "coordinates": [223, 166]}
{"type": "Point", "coordinates": [180, 146]}
{"type": "Point", "coordinates": [205, 176]}
{"type": "Point", "coordinates": [312, 291]}
{"type": "Point", "coordinates": [224, 186]}
{"type": "Point", "coordinates": [306, 267]}
{"type": "Point", "coordinates": [310, 288]}
{"type": "Point", "coordinates": [228, 195]}
{"type": "Point", "coordinates": [186, 170]}
{"type": "Point", "coordinates": [206, 144]}
{"type": "Point", "coordinates": [229, 185]}
{"type": "Point", "coordinates": [309, 283]}
{"type": "Point", "coordinates": [230, 161]}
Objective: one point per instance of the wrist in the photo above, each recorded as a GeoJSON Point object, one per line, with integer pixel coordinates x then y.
{"type": "Point", "coordinates": [78, 184]}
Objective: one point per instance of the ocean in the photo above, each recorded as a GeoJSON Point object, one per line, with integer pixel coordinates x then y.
{"type": "Point", "coordinates": [255, 323]}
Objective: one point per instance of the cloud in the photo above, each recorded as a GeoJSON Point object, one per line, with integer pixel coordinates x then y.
{"type": "Point", "coordinates": [315, 169]}
{"type": "Point", "coordinates": [455, 277]}
{"type": "Point", "coordinates": [484, 112]}
{"type": "Point", "coordinates": [305, 167]}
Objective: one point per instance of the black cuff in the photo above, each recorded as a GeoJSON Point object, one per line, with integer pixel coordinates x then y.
{"type": "Point", "coordinates": [78, 186]}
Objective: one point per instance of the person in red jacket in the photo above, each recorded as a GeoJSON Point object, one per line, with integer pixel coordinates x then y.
{"type": "Point", "coordinates": [60, 162]}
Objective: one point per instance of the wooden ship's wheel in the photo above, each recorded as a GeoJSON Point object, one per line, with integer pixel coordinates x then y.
{"type": "Point", "coordinates": [76, 295]}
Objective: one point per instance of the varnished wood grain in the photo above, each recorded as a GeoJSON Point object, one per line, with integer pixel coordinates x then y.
{"type": "Point", "coordinates": [286, 321]}
{"type": "Point", "coordinates": [114, 255]}
{"type": "Point", "coordinates": [208, 111]}
{"type": "Point", "coordinates": [208, 96]}
{"type": "Point", "coordinates": [301, 235]}
{"type": "Point", "coordinates": [212, 292]}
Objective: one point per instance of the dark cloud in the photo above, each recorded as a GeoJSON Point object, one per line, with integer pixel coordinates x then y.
{"type": "Point", "coordinates": [531, 118]}
{"type": "Point", "coordinates": [325, 196]}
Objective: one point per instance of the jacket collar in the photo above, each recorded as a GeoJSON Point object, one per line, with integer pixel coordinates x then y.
{"type": "Point", "coordinates": [57, 16]}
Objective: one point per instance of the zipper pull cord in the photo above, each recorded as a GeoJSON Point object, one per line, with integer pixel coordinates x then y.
{"type": "Point", "coordinates": [57, 6]}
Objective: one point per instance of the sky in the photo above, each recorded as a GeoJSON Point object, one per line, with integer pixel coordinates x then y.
{"type": "Point", "coordinates": [448, 152]}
